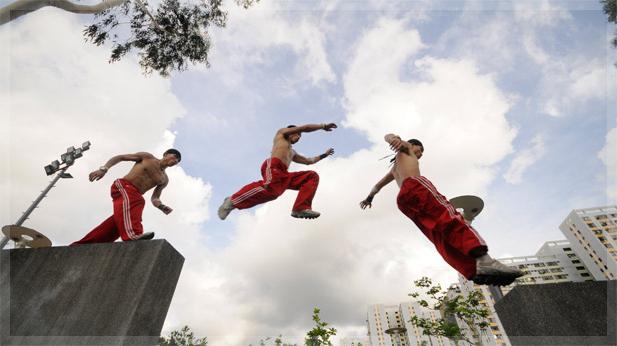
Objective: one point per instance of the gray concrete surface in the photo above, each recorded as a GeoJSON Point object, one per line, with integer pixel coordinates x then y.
{"type": "Point", "coordinates": [96, 294]}
{"type": "Point", "coordinates": [575, 313]}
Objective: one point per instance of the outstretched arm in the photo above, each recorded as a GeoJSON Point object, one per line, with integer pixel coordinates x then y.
{"type": "Point", "coordinates": [311, 160]}
{"type": "Point", "coordinates": [396, 143]}
{"type": "Point", "coordinates": [367, 202]}
{"type": "Point", "coordinates": [137, 157]}
{"type": "Point", "coordinates": [156, 201]}
{"type": "Point", "coordinates": [307, 128]}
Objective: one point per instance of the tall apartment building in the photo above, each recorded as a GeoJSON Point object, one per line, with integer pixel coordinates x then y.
{"type": "Point", "coordinates": [389, 325]}
{"type": "Point", "coordinates": [556, 261]}
{"type": "Point", "coordinates": [593, 234]}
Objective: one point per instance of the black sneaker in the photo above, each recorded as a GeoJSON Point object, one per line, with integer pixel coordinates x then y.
{"type": "Point", "coordinates": [493, 272]}
{"type": "Point", "coordinates": [145, 236]}
{"type": "Point", "coordinates": [305, 214]}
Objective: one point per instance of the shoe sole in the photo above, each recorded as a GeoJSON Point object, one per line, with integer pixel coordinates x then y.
{"type": "Point", "coordinates": [304, 217]}
{"type": "Point", "coordinates": [146, 237]}
{"type": "Point", "coordinates": [495, 280]}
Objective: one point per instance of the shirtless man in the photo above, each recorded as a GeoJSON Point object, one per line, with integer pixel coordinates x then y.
{"type": "Point", "coordinates": [126, 193]}
{"type": "Point", "coordinates": [276, 178]}
{"type": "Point", "coordinates": [457, 242]}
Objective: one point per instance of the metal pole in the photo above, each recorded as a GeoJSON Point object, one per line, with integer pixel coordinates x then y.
{"type": "Point", "coordinates": [34, 204]}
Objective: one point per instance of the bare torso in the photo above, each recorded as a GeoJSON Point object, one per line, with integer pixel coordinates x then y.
{"type": "Point", "coordinates": [147, 174]}
{"type": "Point", "coordinates": [405, 166]}
{"type": "Point", "coordinates": [281, 149]}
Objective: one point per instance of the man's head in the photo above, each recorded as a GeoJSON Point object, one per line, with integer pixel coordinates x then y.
{"type": "Point", "coordinates": [294, 137]}
{"type": "Point", "coordinates": [416, 147]}
{"type": "Point", "coordinates": [171, 157]}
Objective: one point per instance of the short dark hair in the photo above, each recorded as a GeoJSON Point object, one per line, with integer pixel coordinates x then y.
{"type": "Point", "coordinates": [289, 126]}
{"type": "Point", "coordinates": [174, 152]}
{"type": "Point", "coordinates": [414, 141]}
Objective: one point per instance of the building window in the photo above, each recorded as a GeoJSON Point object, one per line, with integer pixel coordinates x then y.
{"type": "Point", "coordinates": [576, 261]}
{"type": "Point", "coordinates": [584, 275]}
{"type": "Point", "coordinates": [580, 268]}
{"type": "Point", "coordinates": [567, 249]}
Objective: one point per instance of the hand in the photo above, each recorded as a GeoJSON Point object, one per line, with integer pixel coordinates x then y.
{"type": "Point", "coordinates": [96, 175]}
{"type": "Point", "coordinates": [329, 127]}
{"type": "Point", "coordinates": [365, 203]}
{"type": "Point", "coordinates": [397, 144]}
{"type": "Point", "coordinates": [329, 152]}
{"type": "Point", "coordinates": [165, 209]}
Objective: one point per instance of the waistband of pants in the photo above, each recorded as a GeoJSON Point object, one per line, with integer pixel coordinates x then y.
{"type": "Point", "coordinates": [127, 183]}
{"type": "Point", "coordinates": [275, 161]}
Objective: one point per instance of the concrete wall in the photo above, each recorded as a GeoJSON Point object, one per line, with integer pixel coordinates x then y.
{"type": "Point", "coordinates": [98, 294]}
{"type": "Point", "coordinates": [573, 313]}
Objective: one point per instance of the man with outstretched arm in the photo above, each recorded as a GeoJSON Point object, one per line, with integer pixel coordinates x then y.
{"type": "Point", "coordinates": [457, 242]}
{"type": "Point", "coordinates": [128, 203]}
{"type": "Point", "coordinates": [276, 178]}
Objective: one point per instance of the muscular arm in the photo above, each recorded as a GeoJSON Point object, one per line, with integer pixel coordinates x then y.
{"type": "Point", "coordinates": [311, 160]}
{"type": "Point", "coordinates": [306, 128]}
{"type": "Point", "coordinates": [367, 202]}
{"type": "Point", "coordinates": [137, 157]}
{"type": "Point", "coordinates": [396, 143]}
{"type": "Point", "coordinates": [156, 201]}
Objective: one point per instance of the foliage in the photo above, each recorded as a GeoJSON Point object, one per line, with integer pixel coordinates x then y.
{"type": "Point", "coordinates": [467, 308]}
{"type": "Point", "coordinates": [319, 335]}
{"type": "Point", "coordinates": [610, 8]}
{"type": "Point", "coordinates": [278, 341]}
{"type": "Point", "coordinates": [167, 38]}
{"type": "Point", "coordinates": [182, 337]}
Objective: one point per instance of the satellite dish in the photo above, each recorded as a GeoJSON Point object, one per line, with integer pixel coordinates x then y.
{"type": "Point", "coordinates": [471, 205]}
{"type": "Point", "coordinates": [25, 237]}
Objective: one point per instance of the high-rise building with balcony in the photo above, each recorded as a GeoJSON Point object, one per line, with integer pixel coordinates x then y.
{"type": "Point", "coordinates": [556, 261]}
{"type": "Point", "coordinates": [593, 234]}
{"type": "Point", "coordinates": [389, 325]}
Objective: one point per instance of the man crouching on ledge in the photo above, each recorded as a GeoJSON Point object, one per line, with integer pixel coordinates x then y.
{"type": "Point", "coordinates": [126, 193]}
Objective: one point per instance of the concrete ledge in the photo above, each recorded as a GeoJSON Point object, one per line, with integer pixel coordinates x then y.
{"type": "Point", "coordinates": [574, 313]}
{"type": "Point", "coordinates": [98, 294]}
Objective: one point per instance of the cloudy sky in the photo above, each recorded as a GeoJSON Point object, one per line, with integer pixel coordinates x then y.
{"type": "Point", "coordinates": [514, 102]}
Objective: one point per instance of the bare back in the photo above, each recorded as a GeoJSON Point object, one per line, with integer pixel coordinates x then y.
{"type": "Point", "coordinates": [147, 174]}
{"type": "Point", "coordinates": [281, 149]}
{"type": "Point", "coordinates": [405, 166]}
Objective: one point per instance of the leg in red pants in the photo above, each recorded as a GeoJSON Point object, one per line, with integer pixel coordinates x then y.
{"type": "Point", "coordinates": [126, 220]}
{"type": "Point", "coordinates": [454, 239]}
{"type": "Point", "coordinates": [274, 183]}
{"type": "Point", "coordinates": [306, 183]}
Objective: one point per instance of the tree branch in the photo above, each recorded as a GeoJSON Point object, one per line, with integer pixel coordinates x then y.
{"type": "Point", "coordinates": [22, 7]}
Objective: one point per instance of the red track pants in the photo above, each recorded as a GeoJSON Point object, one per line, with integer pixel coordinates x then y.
{"type": "Point", "coordinates": [419, 200]}
{"type": "Point", "coordinates": [275, 181]}
{"type": "Point", "coordinates": [126, 220]}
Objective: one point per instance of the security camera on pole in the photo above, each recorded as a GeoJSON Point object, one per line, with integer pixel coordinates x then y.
{"type": "Point", "coordinates": [23, 236]}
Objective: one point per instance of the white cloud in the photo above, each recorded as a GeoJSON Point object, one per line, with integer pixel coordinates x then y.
{"type": "Point", "coordinates": [452, 108]}
{"type": "Point", "coordinates": [570, 81]}
{"type": "Point", "coordinates": [525, 159]}
{"type": "Point", "coordinates": [608, 155]}
{"type": "Point", "coordinates": [251, 35]}
{"type": "Point", "coordinates": [543, 13]}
